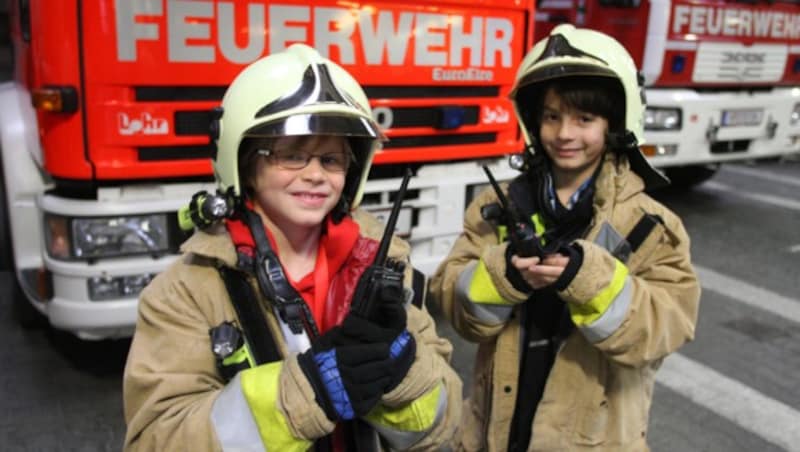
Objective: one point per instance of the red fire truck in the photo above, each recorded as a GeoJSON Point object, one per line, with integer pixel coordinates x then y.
{"type": "Point", "coordinates": [104, 129]}
{"type": "Point", "coordinates": [722, 76]}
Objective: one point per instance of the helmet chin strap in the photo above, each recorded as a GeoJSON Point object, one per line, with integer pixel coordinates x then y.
{"type": "Point", "coordinates": [623, 141]}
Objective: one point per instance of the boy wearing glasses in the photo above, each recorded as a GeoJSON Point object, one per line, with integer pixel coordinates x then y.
{"type": "Point", "coordinates": [249, 342]}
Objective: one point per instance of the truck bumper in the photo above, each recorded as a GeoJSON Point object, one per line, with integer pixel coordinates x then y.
{"type": "Point", "coordinates": [705, 137]}
{"type": "Point", "coordinates": [71, 308]}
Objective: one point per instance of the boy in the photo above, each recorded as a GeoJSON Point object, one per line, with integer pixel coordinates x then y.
{"type": "Point", "coordinates": [573, 324]}
{"type": "Point", "coordinates": [249, 341]}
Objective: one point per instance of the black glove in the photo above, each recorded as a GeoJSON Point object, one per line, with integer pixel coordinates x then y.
{"type": "Point", "coordinates": [348, 379]}
{"type": "Point", "coordinates": [389, 328]}
{"type": "Point", "coordinates": [575, 254]}
{"type": "Point", "coordinates": [513, 275]}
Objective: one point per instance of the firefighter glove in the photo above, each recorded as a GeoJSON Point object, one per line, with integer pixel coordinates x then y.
{"type": "Point", "coordinates": [348, 380]}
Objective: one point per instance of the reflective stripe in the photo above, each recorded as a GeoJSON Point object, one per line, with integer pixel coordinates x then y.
{"type": "Point", "coordinates": [260, 389]}
{"type": "Point", "coordinates": [502, 233]}
{"type": "Point", "coordinates": [613, 317]}
{"type": "Point", "coordinates": [239, 356]}
{"type": "Point", "coordinates": [233, 422]}
{"type": "Point", "coordinates": [489, 313]}
{"type": "Point", "coordinates": [586, 313]}
{"type": "Point", "coordinates": [481, 288]}
{"type": "Point", "coordinates": [402, 427]}
{"type": "Point", "coordinates": [538, 225]}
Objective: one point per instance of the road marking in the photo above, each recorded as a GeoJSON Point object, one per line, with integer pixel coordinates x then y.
{"type": "Point", "coordinates": [762, 174]}
{"type": "Point", "coordinates": [749, 294]}
{"type": "Point", "coordinates": [766, 199]}
{"type": "Point", "coordinates": [751, 410]}
{"type": "Point", "coordinates": [794, 249]}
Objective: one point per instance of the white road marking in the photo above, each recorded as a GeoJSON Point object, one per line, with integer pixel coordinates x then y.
{"type": "Point", "coordinates": [751, 410]}
{"type": "Point", "coordinates": [794, 248]}
{"type": "Point", "coordinates": [770, 419]}
{"type": "Point", "coordinates": [749, 294]}
{"type": "Point", "coordinates": [762, 174]}
{"type": "Point", "coordinates": [766, 199]}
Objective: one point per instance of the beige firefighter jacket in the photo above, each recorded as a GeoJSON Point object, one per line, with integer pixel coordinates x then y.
{"type": "Point", "coordinates": [598, 394]}
{"type": "Point", "coordinates": [171, 382]}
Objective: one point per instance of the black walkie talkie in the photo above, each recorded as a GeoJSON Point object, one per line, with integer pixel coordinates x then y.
{"type": "Point", "coordinates": [521, 231]}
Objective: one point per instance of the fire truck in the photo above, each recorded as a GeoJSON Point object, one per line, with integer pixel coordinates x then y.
{"type": "Point", "coordinates": [104, 128]}
{"type": "Point", "coordinates": [722, 77]}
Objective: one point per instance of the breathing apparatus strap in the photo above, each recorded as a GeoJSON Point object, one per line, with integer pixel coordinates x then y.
{"type": "Point", "coordinates": [254, 324]}
{"type": "Point", "coordinates": [291, 307]}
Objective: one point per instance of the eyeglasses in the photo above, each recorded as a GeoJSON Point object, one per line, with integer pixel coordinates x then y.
{"type": "Point", "coordinates": [333, 162]}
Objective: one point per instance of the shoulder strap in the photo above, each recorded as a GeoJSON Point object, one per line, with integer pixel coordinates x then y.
{"type": "Point", "coordinates": [419, 284]}
{"type": "Point", "coordinates": [273, 282]}
{"type": "Point", "coordinates": [254, 323]}
{"type": "Point", "coordinates": [642, 229]}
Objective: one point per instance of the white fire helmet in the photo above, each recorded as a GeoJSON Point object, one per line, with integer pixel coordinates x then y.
{"type": "Point", "coordinates": [292, 93]}
{"type": "Point", "coordinates": [576, 52]}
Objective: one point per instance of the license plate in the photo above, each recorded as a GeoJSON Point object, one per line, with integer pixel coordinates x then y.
{"type": "Point", "coordinates": [403, 226]}
{"type": "Point", "coordinates": [733, 118]}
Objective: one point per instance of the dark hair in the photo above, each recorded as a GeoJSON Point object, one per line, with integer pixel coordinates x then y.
{"type": "Point", "coordinates": [602, 96]}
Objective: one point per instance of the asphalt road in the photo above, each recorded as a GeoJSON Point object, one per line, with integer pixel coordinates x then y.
{"type": "Point", "coordinates": [735, 388]}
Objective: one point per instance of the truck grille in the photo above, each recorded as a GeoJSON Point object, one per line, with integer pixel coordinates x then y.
{"type": "Point", "coordinates": [439, 140]}
{"type": "Point", "coordinates": [196, 122]}
{"type": "Point", "coordinates": [731, 146]}
{"type": "Point", "coordinates": [214, 93]}
{"type": "Point", "coordinates": [156, 153]}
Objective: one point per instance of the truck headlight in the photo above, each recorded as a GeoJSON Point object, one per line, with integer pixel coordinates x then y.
{"type": "Point", "coordinates": [92, 238]}
{"type": "Point", "coordinates": [795, 118]}
{"type": "Point", "coordinates": [662, 118]}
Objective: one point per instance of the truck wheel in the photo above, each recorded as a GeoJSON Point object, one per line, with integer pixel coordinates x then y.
{"type": "Point", "coordinates": [688, 177]}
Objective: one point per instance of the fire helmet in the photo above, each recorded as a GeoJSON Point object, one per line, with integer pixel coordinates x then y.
{"type": "Point", "coordinates": [293, 93]}
{"type": "Point", "coordinates": [576, 52]}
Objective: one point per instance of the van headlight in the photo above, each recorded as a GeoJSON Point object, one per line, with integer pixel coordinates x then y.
{"type": "Point", "coordinates": [93, 238]}
{"type": "Point", "coordinates": [662, 118]}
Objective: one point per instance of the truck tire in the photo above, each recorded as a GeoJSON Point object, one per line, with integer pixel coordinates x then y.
{"type": "Point", "coordinates": [688, 177]}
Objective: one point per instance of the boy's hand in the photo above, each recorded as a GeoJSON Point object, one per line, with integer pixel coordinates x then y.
{"type": "Point", "coordinates": [540, 274]}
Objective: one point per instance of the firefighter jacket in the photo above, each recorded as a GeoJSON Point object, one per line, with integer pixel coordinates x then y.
{"type": "Point", "coordinates": [628, 315]}
{"type": "Point", "coordinates": [175, 398]}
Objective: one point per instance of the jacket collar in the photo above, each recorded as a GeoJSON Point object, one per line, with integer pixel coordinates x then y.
{"type": "Point", "coordinates": [616, 181]}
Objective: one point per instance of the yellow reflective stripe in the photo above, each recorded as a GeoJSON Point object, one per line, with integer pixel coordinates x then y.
{"type": "Point", "coordinates": [538, 224]}
{"type": "Point", "coordinates": [416, 416]}
{"type": "Point", "coordinates": [588, 312]}
{"type": "Point", "coordinates": [239, 356]}
{"type": "Point", "coordinates": [482, 289]}
{"type": "Point", "coordinates": [502, 233]}
{"type": "Point", "coordinates": [260, 389]}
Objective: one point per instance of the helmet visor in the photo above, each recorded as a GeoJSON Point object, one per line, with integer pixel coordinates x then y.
{"type": "Point", "coordinates": [318, 124]}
